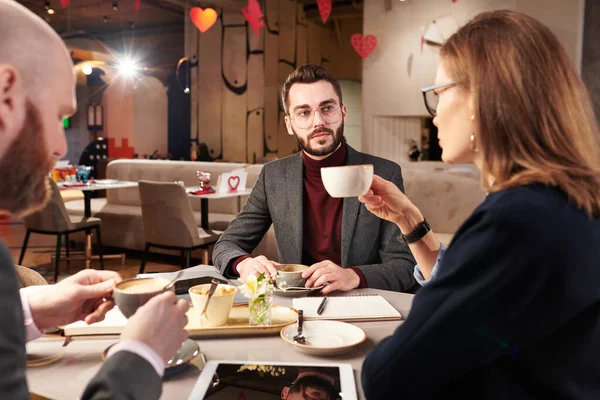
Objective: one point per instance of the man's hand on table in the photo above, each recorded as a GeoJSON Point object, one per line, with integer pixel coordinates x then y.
{"type": "Point", "coordinates": [86, 296]}
{"type": "Point", "coordinates": [325, 272]}
{"type": "Point", "coordinates": [160, 324]}
{"type": "Point", "coordinates": [256, 266]}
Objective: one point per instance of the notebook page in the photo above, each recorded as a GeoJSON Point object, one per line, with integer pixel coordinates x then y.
{"type": "Point", "coordinates": [112, 324]}
{"type": "Point", "coordinates": [347, 307]}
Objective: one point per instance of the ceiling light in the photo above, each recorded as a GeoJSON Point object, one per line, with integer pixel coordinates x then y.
{"type": "Point", "coordinates": [86, 69]}
{"type": "Point", "coordinates": [50, 11]}
{"type": "Point", "coordinates": [128, 67]}
{"type": "Point", "coordinates": [115, 6]}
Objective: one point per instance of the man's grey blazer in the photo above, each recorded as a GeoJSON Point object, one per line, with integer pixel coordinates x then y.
{"type": "Point", "coordinates": [123, 376]}
{"type": "Point", "coordinates": [368, 243]}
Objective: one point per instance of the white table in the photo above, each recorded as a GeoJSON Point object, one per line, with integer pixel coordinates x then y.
{"type": "Point", "coordinates": [204, 198]}
{"type": "Point", "coordinates": [67, 377]}
{"type": "Point", "coordinates": [87, 198]}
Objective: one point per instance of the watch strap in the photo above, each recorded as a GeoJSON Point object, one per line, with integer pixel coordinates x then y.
{"type": "Point", "coordinates": [416, 235]}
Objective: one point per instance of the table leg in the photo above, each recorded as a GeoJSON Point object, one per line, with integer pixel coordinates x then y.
{"type": "Point", "coordinates": [87, 198]}
{"type": "Point", "coordinates": [204, 213]}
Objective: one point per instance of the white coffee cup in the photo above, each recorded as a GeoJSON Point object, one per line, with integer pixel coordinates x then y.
{"type": "Point", "coordinates": [347, 180]}
{"type": "Point", "coordinates": [219, 307]}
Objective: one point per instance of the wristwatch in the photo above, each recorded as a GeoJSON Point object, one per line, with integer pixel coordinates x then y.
{"type": "Point", "coordinates": [416, 235]}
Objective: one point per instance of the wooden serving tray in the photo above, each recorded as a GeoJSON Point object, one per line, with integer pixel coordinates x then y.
{"type": "Point", "coordinates": [237, 324]}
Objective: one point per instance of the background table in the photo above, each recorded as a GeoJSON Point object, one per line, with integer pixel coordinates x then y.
{"type": "Point", "coordinates": [204, 198]}
{"type": "Point", "coordinates": [67, 377]}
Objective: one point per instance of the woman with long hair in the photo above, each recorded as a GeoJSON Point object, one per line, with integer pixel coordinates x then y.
{"type": "Point", "coordinates": [511, 310]}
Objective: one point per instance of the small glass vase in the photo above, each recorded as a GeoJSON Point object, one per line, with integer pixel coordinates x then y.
{"type": "Point", "coordinates": [259, 308]}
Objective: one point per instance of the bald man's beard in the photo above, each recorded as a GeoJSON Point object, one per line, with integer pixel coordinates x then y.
{"type": "Point", "coordinates": [24, 168]}
{"type": "Point", "coordinates": [306, 145]}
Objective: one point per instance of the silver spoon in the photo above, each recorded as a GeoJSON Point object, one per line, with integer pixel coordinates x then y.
{"type": "Point", "coordinates": [173, 281]}
{"type": "Point", "coordinates": [299, 338]}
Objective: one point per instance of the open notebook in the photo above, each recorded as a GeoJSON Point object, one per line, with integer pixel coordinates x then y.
{"type": "Point", "coordinates": [113, 324]}
{"type": "Point", "coordinates": [348, 308]}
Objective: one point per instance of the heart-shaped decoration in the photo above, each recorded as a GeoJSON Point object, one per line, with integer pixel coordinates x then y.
{"type": "Point", "coordinates": [203, 19]}
{"type": "Point", "coordinates": [324, 9]}
{"type": "Point", "coordinates": [363, 45]}
{"type": "Point", "coordinates": [233, 182]}
{"type": "Point", "coordinates": [137, 5]}
{"type": "Point", "coordinates": [64, 3]}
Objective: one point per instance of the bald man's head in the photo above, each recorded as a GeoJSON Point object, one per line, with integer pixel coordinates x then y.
{"type": "Point", "coordinates": [30, 44]}
{"type": "Point", "coordinates": [36, 92]}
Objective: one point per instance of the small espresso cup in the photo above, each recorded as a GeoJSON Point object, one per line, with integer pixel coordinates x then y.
{"type": "Point", "coordinates": [133, 293]}
{"type": "Point", "coordinates": [219, 307]}
{"type": "Point", "coordinates": [290, 275]}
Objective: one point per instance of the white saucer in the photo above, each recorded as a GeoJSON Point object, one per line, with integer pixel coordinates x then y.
{"type": "Point", "coordinates": [297, 292]}
{"type": "Point", "coordinates": [325, 337]}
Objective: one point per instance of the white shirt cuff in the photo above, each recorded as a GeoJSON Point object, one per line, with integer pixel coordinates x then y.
{"type": "Point", "coordinates": [142, 350]}
{"type": "Point", "coordinates": [419, 275]}
{"type": "Point", "coordinates": [32, 332]}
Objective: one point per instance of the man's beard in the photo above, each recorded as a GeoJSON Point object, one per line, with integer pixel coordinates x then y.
{"type": "Point", "coordinates": [24, 168]}
{"type": "Point", "coordinates": [305, 145]}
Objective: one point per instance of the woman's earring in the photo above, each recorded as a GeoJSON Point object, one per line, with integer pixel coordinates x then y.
{"type": "Point", "coordinates": [472, 117]}
{"type": "Point", "coordinates": [473, 145]}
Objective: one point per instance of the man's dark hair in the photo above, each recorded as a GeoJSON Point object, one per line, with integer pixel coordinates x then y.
{"type": "Point", "coordinates": [308, 73]}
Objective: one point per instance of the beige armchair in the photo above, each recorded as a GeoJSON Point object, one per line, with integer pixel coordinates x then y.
{"type": "Point", "coordinates": [54, 220]}
{"type": "Point", "coordinates": [169, 223]}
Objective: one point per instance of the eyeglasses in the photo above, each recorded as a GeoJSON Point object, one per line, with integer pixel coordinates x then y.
{"type": "Point", "coordinates": [304, 118]}
{"type": "Point", "coordinates": [431, 98]}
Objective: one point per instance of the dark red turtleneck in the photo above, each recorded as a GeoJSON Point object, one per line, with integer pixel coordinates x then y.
{"type": "Point", "coordinates": [322, 237]}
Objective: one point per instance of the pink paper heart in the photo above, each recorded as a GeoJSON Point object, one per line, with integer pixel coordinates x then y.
{"type": "Point", "coordinates": [324, 9]}
{"type": "Point", "coordinates": [363, 45]}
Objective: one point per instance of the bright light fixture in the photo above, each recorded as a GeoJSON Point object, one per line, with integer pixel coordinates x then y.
{"type": "Point", "coordinates": [128, 67]}
{"type": "Point", "coordinates": [86, 69]}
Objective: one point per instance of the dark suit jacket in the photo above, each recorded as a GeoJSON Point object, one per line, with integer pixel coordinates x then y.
{"type": "Point", "coordinates": [123, 376]}
{"type": "Point", "coordinates": [368, 243]}
{"type": "Point", "coordinates": [514, 312]}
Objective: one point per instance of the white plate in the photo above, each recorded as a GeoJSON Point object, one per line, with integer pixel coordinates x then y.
{"type": "Point", "coordinates": [325, 337]}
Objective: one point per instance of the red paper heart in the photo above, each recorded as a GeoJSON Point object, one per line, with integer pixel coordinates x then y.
{"type": "Point", "coordinates": [64, 3]}
{"type": "Point", "coordinates": [203, 19]}
{"type": "Point", "coordinates": [137, 5]}
{"type": "Point", "coordinates": [324, 9]}
{"type": "Point", "coordinates": [363, 45]}
{"type": "Point", "coordinates": [232, 186]}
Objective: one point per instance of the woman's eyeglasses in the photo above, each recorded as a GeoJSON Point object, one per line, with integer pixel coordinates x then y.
{"type": "Point", "coordinates": [430, 96]}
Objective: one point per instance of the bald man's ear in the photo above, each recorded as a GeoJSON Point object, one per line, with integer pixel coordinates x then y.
{"type": "Point", "coordinates": [12, 101]}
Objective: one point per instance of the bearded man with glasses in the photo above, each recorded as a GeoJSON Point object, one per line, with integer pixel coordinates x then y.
{"type": "Point", "coordinates": [344, 246]}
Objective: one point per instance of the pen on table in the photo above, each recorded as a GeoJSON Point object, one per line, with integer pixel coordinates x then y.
{"type": "Point", "coordinates": [321, 306]}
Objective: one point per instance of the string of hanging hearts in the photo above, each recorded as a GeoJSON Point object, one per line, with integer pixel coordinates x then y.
{"type": "Point", "coordinates": [205, 18]}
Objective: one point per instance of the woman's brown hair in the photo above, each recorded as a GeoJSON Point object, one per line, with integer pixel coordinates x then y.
{"type": "Point", "coordinates": [533, 114]}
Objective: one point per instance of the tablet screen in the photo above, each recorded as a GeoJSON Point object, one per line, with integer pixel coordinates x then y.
{"type": "Point", "coordinates": [236, 380]}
